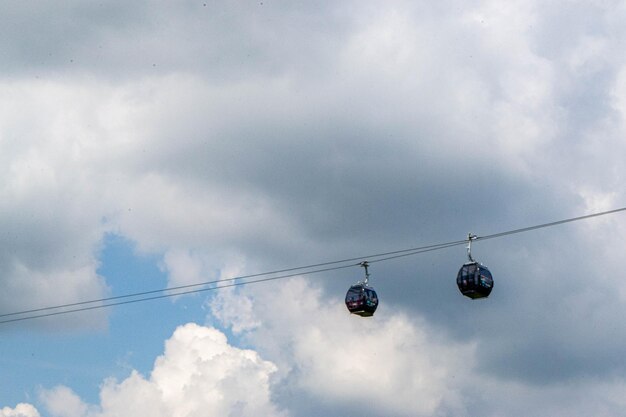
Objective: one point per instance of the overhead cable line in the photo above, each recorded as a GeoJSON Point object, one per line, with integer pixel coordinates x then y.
{"type": "Point", "coordinates": [411, 251]}
{"type": "Point", "coordinates": [157, 297]}
{"type": "Point", "coordinates": [556, 223]}
{"type": "Point", "coordinates": [232, 282]}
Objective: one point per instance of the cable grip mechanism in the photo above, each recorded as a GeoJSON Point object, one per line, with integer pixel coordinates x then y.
{"type": "Point", "coordinates": [365, 265]}
{"type": "Point", "coordinates": [470, 237]}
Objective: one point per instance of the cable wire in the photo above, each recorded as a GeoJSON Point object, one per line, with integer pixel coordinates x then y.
{"type": "Point", "coordinates": [556, 223]}
{"type": "Point", "coordinates": [217, 287]}
{"type": "Point", "coordinates": [411, 251]}
{"type": "Point", "coordinates": [246, 279]}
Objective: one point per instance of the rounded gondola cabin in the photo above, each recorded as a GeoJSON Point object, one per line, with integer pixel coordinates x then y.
{"type": "Point", "coordinates": [361, 300]}
{"type": "Point", "coordinates": [474, 280]}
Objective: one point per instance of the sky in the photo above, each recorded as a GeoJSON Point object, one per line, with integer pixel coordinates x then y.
{"type": "Point", "coordinates": [155, 144]}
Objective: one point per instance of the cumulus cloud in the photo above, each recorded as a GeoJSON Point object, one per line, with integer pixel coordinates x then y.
{"type": "Point", "coordinates": [277, 135]}
{"type": "Point", "coordinates": [20, 410]}
{"type": "Point", "coordinates": [51, 214]}
{"type": "Point", "coordinates": [394, 364]}
{"type": "Point", "coordinates": [310, 357]}
{"type": "Point", "coordinates": [412, 111]}
{"type": "Point", "coordinates": [391, 364]}
{"type": "Point", "coordinates": [199, 374]}
{"type": "Point", "coordinates": [61, 401]}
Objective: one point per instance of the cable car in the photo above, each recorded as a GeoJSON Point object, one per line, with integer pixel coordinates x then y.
{"type": "Point", "coordinates": [362, 299]}
{"type": "Point", "coordinates": [474, 279]}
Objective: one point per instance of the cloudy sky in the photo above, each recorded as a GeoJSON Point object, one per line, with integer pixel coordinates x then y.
{"type": "Point", "coordinates": [154, 144]}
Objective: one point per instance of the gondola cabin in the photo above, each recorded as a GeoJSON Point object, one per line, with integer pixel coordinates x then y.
{"type": "Point", "coordinates": [474, 280]}
{"type": "Point", "coordinates": [361, 300]}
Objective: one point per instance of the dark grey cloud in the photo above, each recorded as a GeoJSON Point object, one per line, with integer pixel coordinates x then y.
{"type": "Point", "coordinates": [121, 41]}
{"type": "Point", "coordinates": [38, 37]}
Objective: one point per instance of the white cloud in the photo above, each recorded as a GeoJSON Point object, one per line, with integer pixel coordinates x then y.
{"type": "Point", "coordinates": [199, 374]}
{"type": "Point", "coordinates": [323, 360]}
{"type": "Point", "coordinates": [410, 100]}
{"type": "Point", "coordinates": [186, 267]}
{"type": "Point", "coordinates": [50, 208]}
{"type": "Point", "coordinates": [20, 410]}
{"type": "Point", "coordinates": [391, 363]}
{"type": "Point", "coordinates": [240, 315]}
{"type": "Point", "coordinates": [331, 132]}
{"type": "Point", "coordinates": [61, 401]}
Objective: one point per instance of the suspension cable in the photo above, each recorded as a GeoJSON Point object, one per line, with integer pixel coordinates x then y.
{"type": "Point", "coordinates": [248, 279]}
